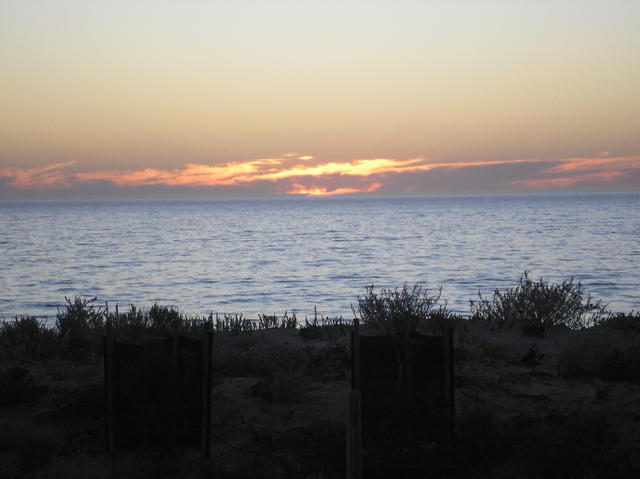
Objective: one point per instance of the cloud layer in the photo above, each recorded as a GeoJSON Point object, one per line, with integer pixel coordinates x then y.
{"type": "Point", "coordinates": [292, 174]}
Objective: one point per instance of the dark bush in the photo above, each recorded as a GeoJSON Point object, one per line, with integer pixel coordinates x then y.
{"type": "Point", "coordinates": [27, 338]}
{"type": "Point", "coordinates": [628, 323]}
{"type": "Point", "coordinates": [165, 319]}
{"type": "Point", "coordinates": [603, 351]}
{"type": "Point", "coordinates": [321, 327]}
{"type": "Point", "coordinates": [575, 445]}
{"type": "Point", "coordinates": [393, 310]}
{"type": "Point", "coordinates": [482, 441]}
{"type": "Point", "coordinates": [76, 326]}
{"type": "Point", "coordinates": [34, 447]}
{"type": "Point", "coordinates": [285, 383]}
{"type": "Point", "coordinates": [534, 303]}
{"type": "Point", "coordinates": [87, 402]}
{"type": "Point", "coordinates": [17, 386]}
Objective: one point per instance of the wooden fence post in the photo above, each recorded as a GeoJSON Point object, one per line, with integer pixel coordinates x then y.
{"type": "Point", "coordinates": [354, 435]}
{"type": "Point", "coordinates": [205, 426]}
{"type": "Point", "coordinates": [449, 388]}
{"type": "Point", "coordinates": [354, 409]}
{"type": "Point", "coordinates": [108, 377]}
{"type": "Point", "coordinates": [355, 356]}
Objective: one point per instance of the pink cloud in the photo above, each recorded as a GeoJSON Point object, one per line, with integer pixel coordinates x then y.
{"type": "Point", "coordinates": [564, 182]}
{"type": "Point", "coordinates": [307, 175]}
{"type": "Point", "coordinates": [47, 177]}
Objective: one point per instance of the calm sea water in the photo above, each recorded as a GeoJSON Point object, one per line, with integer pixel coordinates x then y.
{"type": "Point", "coordinates": [276, 255]}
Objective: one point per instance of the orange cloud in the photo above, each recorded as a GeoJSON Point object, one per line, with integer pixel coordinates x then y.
{"type": "Point", "coordinates": [321, 191]}
{"type": "Point", "coordinates": [306, 175]}
{"type": "Point", "coordinates": [594, 164]}
{"type": "Point", "coordinates": [48, 177]}
{"type": "Point", "coordinates": [546, 183]}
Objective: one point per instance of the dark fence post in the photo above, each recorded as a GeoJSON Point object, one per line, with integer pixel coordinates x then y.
{"type": "Point", "coordinates": [205, 427]}
{"type": "Point", "coordinates": [109, 387]}
{"type": "Point", "coordinates": [355, 356]}
{"type": "Point", "coordinates": [354, 409]}
{"type": "Point", "coordinates": [449, 387]}
{"type": "Point", "coordinates": [354, 435]}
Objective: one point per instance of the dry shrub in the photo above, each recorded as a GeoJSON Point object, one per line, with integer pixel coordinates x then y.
{"type": "Point", "coordinates": [609, 351]}
{"type": "Point", "coordinates": [536, 304]}
{"type": "Point", "coordinates": [18, 386]}
{"type": "Point", "coordinates": [392, 310]}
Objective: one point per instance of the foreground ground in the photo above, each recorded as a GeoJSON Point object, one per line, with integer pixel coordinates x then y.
{"type": "Point", "coordinates": [279, 410]}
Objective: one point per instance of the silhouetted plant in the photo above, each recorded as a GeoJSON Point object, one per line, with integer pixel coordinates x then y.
{"type": "Point", "coordinates": [84, 403]}
{"type": "Point", "coordinates": [234, 323]}
{"type": "Point", "coordinates": [576, 445]}
{"type": "Point", "coordinates": [321, 327]}
{"type": "Point", "coordinates": [393, 310]}
{"type": "Point", "coordinates": [328, 362]}
{"type": "Point", "coordinates": [602, 351]}
{"type": "Point", "coordinates": [75, 325]}
{"type": "Point", "coordinates": [629, 323]}
{"type": "Point", "coordinates": [284, 383]}
{"type": "Point", "coordinates": [27, 338]}
{"type": "Point", "coordinates": [272, 321]}
{"type": "Point", "coordinates": [539, 303]}
{"type": "Point", "coordinates": [34, 447]}
{"type": "Point", "coordinates": [266, 321]}
{"type": "Point", "coordinates": [17, 386]}
{"type": "Point", "coordinates": [482, 440]}
{"type": "Point", "coordinates": [289, 322]}
{"type": "Point", "coordinates": [165, 318]}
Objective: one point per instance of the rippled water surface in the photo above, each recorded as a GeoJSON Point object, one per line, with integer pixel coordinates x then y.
{"type": "Point", "coordinates": [268, 256]}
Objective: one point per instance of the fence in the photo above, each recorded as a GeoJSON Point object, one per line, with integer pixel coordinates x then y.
{"type": "Point", "coordinates": [158, 394]}
{"type": "Point", "coordinates": [401, 404]}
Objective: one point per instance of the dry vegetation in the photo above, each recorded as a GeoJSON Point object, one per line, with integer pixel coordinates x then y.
{"type": "Point", "coordinates": [547, 385]}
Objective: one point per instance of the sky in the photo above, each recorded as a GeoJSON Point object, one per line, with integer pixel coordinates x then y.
{"type": "Point", "coordinates": [165, 99]}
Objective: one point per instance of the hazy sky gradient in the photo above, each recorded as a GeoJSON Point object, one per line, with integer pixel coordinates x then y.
{"type": "Point", "coordinates": [96, 92]}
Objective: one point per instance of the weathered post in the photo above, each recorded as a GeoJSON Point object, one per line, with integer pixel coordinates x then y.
{"type": "Point", "coordinates": [449, 388]}
{"type": "Point", "coordinates": [109, 389]}
{"type": "Point", "coordinates": [205, 426]}
{"type": "Point", "coordinates": [354, 409]}
{"type": "Point", "coordinates": [354, 435]}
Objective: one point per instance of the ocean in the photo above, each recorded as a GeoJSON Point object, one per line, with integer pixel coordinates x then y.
{"type": "Point", "coordinates": [295, 254]}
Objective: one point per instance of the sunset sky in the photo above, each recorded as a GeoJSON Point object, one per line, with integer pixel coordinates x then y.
{"type": "Point", "coordinates": [116, 99]}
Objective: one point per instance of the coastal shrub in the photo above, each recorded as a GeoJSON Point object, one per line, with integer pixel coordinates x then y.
{"type": "Point", "coordinates": [26, 446]}
{"type": "Point", "coordinates": [233, 323]}
{"type": "Point", "coordinates": [86, 402]}
{"type": "Point", "coordinates": [538, 303]}
{"type": "Point", "coordinates": [164, 318]}
{"type": "Point", "coordinates": [272, 321]}
{"type": "Point", "coordinates": [27, 338]}
{"type": "Point", "coordinates": [393, 310]}
{"type": "Point", "coordinates": [17, 386]}
{"type": "Point", "coordinates": [580, 444]}
{"type": "Point", "coordinates": [79, 465]}
{"type": "Point", "coordinates": [34, 447]}
{"type": "Point", "coordinates": [318, 448]}
{"type": "Point", "coordinates": [628, 323]}
{"type": "Point", "coordinates": [603, 351]}
{"type": "Point", "coordinates": [75, 325]}
{"type": "Point", "coordinates": [328, 362]}
{"type": "Point", "coordinates": [313, 450]}
{"type": "Point", "coordinates": [321, 327]}
{"type": "Point", "coordinates": [129, 322]}
{"type": "Point", "coordinates": [482, 440]}
{"type": "Point", "coordinates": [285, 383]}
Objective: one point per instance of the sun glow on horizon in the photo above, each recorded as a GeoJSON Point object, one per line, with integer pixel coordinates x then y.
{"type": "Point", "coordinates": [252, 98]}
